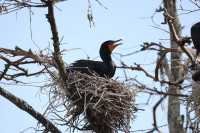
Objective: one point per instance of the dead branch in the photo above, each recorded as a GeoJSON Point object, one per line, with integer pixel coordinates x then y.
{"type": "Point", "coordinates": [165, 50]}
{"type": "Point", "coordinates": [154, 115]}
{"type": "Point", "coordinates": [20, 71]}
{"type": "Point", "coordinates": [141, 86]}
{"type": "Point", "coordinates": [26, 107]}
{"type": "Point", "coordinates": [179, 40]}
{"type": "Point", "coordinates": [147, 45]}
{"type": "Point", "coordinates": [195, 3]}
{"type": "Point", "coordinates": [145, 130]}
{"type": "Point", "coordinates": [139, 68]}
{"type": "Point", "coordinates": [9, 6]}
{"type": "Point", "coordinates": [27, 54]}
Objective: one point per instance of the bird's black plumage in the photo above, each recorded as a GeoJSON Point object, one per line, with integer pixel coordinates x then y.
{"type": "Point", "coordinates": [103, 69]}
{"type": "Point", "coordinates": [196, 76]}
{"type": "Point", "coordinates": [195, 34]}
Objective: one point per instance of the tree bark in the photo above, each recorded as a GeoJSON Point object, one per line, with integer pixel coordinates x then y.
{"type": "Point", "coordinates": [174, 123]}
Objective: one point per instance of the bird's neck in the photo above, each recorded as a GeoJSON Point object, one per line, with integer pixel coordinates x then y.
{"type": "Point", "coordinates": [106, 58]}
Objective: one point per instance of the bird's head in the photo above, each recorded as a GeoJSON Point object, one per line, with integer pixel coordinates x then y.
{"type": "Point", "coordinates": [109, 46]}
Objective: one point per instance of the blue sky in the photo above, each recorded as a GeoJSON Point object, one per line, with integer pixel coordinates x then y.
{"type": "Point", "coordinates": [124, 19]}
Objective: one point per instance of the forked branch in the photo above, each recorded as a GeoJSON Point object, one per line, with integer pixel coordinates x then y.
{"type": "Point", "coordinates": [179, 40]}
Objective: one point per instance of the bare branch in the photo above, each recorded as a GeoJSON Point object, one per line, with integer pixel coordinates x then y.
{"type": "Point", "coordinates": [27, 54]}
{"type": "Point", "coordinates": [139, 68]}
{"type": "Point", "coordinates": [147, 45]}
{"type": "Point", "coordinates": [179, 40]}
{"type": "Point", "coordinates": [9, 6]}
{"type": "Point", "coordinates": [154, 115]}
{"type": "Point", "coordinates": [150, 90]}
{"type": "Point", "coordinates": [29, 109]}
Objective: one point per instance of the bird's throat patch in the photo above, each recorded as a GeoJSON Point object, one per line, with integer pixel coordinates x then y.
{"type": "Point", "coordinates": [112, 47]}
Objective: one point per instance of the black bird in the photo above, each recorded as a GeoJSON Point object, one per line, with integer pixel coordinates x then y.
{"type": "Point", "coordinates": [195, 34]}
{"type": "Point", "coordinates": [103, 69]}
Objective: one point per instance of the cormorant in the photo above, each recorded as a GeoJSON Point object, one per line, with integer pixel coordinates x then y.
{"type": "Point", "coordinates": [195, 34]}
{"type": "Point", "coordinates": [103, 69]}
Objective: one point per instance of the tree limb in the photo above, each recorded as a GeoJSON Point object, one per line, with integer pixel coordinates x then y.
{"type": "Point", "coordinates": [139, 68]}
{"type": "Point", "coordinates": [179, 40]}
{"type": "Point", "coordinates": [29, 109]}
{"type": "Point", "coordinates": [154, 115]}
{"type": "Point", "coordinates": [57, 55]}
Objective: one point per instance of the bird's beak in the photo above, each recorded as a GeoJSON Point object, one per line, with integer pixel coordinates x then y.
{"type": "Point", "coordinates": [112, 45]}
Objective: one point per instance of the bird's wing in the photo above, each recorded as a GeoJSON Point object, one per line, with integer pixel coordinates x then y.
{"type": "Point", "coordinates": [89, 67]}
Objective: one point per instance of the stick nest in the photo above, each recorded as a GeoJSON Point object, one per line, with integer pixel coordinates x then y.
{"type": "Point", "coordinates": [92, 101]}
